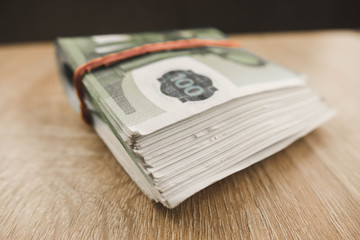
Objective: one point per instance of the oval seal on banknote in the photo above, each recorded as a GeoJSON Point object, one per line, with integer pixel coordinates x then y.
{"type": "Point", "coordinates": [186, 85]}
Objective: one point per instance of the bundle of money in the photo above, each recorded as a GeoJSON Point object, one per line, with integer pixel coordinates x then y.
{"type": "Point", "coordinates": [180, 120]}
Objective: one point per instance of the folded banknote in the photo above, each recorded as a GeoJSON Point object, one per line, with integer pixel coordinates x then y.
{"type": "Point", "coordinates": [181, 119]}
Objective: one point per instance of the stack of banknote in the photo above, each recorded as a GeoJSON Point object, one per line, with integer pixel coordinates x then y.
{"type": "Point", "coordinates": [180, 120]}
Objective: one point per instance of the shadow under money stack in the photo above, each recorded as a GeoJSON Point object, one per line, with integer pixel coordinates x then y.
{"type": "Point", "coordinates": [180, 120]}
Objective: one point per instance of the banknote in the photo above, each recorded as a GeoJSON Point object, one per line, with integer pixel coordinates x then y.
{"type": "Point", "coordinates": [151, 92]}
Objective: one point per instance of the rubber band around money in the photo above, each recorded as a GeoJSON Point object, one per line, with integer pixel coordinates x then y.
{"type": "Point", "coordinates": [113, 58]}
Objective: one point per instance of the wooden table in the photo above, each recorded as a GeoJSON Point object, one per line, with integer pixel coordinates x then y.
{"type": "Point", "coordinates": [59, 181]}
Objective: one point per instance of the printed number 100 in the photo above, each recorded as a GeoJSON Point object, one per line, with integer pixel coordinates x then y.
{"type": "Point", "coordinates": [187, 84]}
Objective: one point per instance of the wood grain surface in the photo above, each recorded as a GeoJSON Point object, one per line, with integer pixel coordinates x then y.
{"type": "Point", "coordinates": [59, 181]}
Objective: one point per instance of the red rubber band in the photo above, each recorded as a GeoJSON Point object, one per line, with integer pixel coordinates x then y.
{"type": "Point", "coordinates": [133, 52]}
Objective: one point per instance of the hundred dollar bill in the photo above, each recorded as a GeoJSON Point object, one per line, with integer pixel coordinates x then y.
{"type": "Point", "coordinates": [150, 92]}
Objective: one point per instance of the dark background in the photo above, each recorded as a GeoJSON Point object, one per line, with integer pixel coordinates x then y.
{"type": "Point", "coordinates": [34, 20]}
